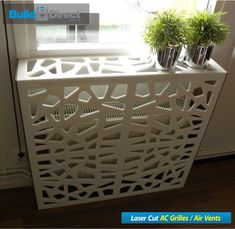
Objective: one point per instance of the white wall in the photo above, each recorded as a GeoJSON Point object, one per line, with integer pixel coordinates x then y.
{"type": "Point", "coordinates": [9, 145]}
{"type": "Point", "coordinates": [220, 136]}
{"type": "Point", "coordinates": [13, 171]}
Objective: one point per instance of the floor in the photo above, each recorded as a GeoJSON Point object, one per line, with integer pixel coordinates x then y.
{"type": "Point", "coordinates": [210, 187]}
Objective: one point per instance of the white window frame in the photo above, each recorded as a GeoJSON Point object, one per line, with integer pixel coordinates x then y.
{"type": "Point", "coordinates": [26, 47]}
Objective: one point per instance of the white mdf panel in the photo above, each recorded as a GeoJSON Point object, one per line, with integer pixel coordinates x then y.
{"type": "Point", "coordinates": [107, 127]}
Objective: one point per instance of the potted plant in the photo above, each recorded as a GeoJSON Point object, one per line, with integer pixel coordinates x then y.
{"type": "Point", "coordinates": [164, 33]}
{"type": "Point", "coordinates": [204, 31]}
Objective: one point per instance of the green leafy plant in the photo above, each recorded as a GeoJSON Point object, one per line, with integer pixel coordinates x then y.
{"type": "Point", "coordinates": [165, 28]}
{"type": "Point", "coordinates": [205, 28]}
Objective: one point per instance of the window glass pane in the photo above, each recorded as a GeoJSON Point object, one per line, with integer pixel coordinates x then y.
{"type": "Point", "coordinates": [119, 21]}
{"type": "Point", "coordinates": [188, 6]}
{"type": "Point", "coordinates": [45, 34]}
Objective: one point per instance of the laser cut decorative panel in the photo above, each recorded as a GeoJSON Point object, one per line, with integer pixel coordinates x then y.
{"type": "Point", "coordinates": [96, 134]}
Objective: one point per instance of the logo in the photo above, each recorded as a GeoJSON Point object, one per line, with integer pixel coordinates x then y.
{"type": "Point", "coordinates": [42, 13]}
{"type": "Point", "coordinates": [19, 13]}
{"type": "Point", "coordinates": [25, 14]}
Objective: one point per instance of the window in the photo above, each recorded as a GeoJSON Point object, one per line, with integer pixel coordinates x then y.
{"type": "Point", "coordinates": [117, 22]}
{"type": "Point", "coordinates": [115, 26]}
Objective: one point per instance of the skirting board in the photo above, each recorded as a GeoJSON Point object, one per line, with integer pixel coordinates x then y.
{"type": "Point", "coordinates": [14, 178]}
{"type": "Point", "coordinates": [215, 152]}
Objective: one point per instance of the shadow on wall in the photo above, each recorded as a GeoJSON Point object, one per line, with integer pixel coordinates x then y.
{"type": "Point", "coordinates": [220, 135]}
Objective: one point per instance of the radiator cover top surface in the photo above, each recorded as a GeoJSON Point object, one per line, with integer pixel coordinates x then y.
{"type": "Point", "coordinates": [105, 127]}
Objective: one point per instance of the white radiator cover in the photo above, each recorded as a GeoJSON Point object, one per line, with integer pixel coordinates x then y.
{"type": "Point", "coordinates": [106, 127]}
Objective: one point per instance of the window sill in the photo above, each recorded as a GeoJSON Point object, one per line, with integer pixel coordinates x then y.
{"type": "Point", "coordinates": [88, 49]}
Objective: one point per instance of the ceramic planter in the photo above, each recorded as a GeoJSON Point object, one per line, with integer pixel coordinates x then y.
{"type": "Point", "coordinates": [198, 56]}
{"type": "Point", "coordinates": [167, 58]}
